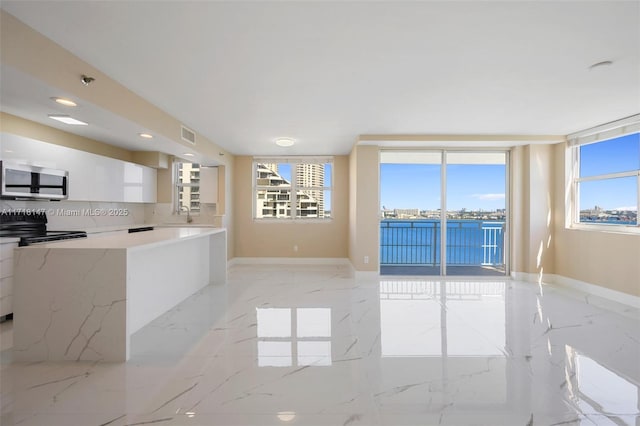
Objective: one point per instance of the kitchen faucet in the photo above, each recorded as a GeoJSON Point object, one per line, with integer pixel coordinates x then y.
{"type": "Point", "coordinates": [189, 218]}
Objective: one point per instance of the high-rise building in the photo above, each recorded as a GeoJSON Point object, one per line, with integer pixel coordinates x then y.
{"type": "Point", "coordinates": [271, 166]}
{"type": "Point", "coordinates": [275, 201]}
{"type": "Point", "coordinates": [189, 195]}
{"type": "Point", "coordinates": [312, 175]}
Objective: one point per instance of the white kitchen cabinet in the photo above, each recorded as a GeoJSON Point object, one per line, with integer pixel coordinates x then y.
{"type": "Point", "coordinates": [6, 277]}
{"type": "Point", "coordinates": [149, 184]}
{"type": "Point", "coordinates": [208, 185]}
{"type": "Point", "coordinates": [98, 178]}
{"type": "Point", "coordinates": [91, 177]}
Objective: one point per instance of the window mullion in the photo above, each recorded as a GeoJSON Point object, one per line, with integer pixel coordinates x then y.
{"type": "Point", "coordinates": [576, 187]}
{"type": "Point", "coordinates": [294, 191]}
{"type": "Point", "coordinates": [608, 176]}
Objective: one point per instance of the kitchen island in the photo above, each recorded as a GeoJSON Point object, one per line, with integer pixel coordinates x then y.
{"type": "Point", "coordinates": [82, 299]}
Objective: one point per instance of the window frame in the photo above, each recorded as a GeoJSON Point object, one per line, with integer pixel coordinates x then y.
{"type": "Point", "coordinates": [294, 188]}
{"type": "Point", "coordinates": [177, 187]}
{"type": "Point", "coordinates": [621, 128]}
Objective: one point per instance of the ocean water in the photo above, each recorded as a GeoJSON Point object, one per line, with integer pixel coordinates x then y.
{"type": "Point", "coordinates": [417, 242]}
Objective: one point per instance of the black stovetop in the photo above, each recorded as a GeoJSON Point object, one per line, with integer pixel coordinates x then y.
{"type": "Point", "coordinates": [31, 228]}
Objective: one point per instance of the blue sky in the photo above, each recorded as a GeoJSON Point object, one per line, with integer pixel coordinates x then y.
{"type": "Point", "coordinates": [473, 187]}
{"type": "Point", "coordinates": [284, 170]}
{"type": "Point", "coordinates": [613, 156]}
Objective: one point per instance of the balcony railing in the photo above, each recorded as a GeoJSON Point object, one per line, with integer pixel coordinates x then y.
{"type": "Point", "coordinates": [417, 242]}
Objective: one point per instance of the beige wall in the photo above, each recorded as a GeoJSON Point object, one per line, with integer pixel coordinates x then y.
{"type": "Point", "coordinates": [276, 239]}
{"type": "Point", "coordinates": [606, 259]}
{"type": "Point", "coordinates": [165, 185]}
{"type": "Point", "coordinates": [533, 189]}
{"type": "Point", "coordinates": [519, 179]}
{"type": "Point", "coordinates": [364, 207]}
{"type": "Point", "coordinates": [227, 207]}
{"type": "Point", "coordinates": [353, 187]}
{"type": "Point", "coordinates": [541, 208]}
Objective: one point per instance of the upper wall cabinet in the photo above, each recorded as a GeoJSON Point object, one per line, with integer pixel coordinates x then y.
{"type": "Point", "coordinates": [209, 185]}
{"type": "Point", "coordinates": [91, 177]}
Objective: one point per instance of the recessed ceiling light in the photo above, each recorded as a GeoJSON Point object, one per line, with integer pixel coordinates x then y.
{"type": "Point", "coordinates": [145, 135]}
{"type": "Point", "coordinates": [67, 120]}
{"type": "Point", "coordinates": [65, 102]}
{"type": "Point", "coordinates": [188, 154]}
{"type": "Point", "coordinates": [285, 142]}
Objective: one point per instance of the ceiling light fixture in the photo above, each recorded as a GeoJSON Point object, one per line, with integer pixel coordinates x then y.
{"type": "Point", "coordinates": [285, 142]}
{"type": "Point", "coordinates": [145, 135]}
{"type": "Point", "coordinates": [67, 120]}
{"type": "Point", "coordinates": [188, 154]}
{"type": "Point", "coordinates": [286, 416]}
{"type": "Point", "coordinates": [65, 102]}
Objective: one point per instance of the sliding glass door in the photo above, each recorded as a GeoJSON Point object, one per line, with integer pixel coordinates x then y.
{"type": "Point", "coordinates": [411, 213]}
{"type": "Point", "coordinates": [475, 213]}
{"type": "Point", "coordinates": [424, 192]}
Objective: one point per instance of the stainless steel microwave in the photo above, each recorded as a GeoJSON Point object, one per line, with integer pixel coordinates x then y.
{"type": "Point", "coordinates": [23, 181]}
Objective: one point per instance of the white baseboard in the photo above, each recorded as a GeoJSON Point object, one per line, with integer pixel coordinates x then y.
{"type": "Point", "coordinates": [339, 261]}
{"type": "Point", "coordinates": [532, 278]}
{"type": "Point", "coordinates": [582, 286]}
{"type": "Point", "coordinates": [596, 290]}
{"type": "Point", "coordinates": [336, 261]}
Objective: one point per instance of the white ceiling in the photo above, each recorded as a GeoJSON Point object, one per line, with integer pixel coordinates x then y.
{"type": "Point", "coordinates": [322, 73]}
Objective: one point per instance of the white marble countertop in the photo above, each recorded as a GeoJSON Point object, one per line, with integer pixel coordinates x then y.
{"type": "Point", "coordinates": [159, 236]}
{"type": "Point", "coordinates": [114, 228]}
{"type": "Point", "coordinates": [92, 231]}
{"type": "Point", "coordinates": [124, 227]}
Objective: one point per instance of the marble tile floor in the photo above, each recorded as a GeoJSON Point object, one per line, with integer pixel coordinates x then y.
{"type": "Point", "coordinates": [311, 345]}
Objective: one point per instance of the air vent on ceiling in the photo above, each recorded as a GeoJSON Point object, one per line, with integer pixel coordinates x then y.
{"type": "Point", "coordinates": [188, 135]}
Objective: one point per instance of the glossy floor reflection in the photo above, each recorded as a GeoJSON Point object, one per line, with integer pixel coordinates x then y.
{"type": "Point", "coordinates": [313, 346]}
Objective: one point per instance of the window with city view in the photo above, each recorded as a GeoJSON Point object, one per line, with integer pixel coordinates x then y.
{"type": "Point", "coordinates": [292, 188]}
{"type": "Point", "coordinates": [187, 187]}
{"type": "Point", "coordinates": [607, 181]}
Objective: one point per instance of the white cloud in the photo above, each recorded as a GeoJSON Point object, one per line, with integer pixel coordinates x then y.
{"type": "Point", "coordinates": [489, 196]}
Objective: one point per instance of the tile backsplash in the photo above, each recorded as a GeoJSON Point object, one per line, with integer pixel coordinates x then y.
{"type": "Point", "coordinates": [165, 213]}
{"type": "Point", "coordinates": [78, 215]}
